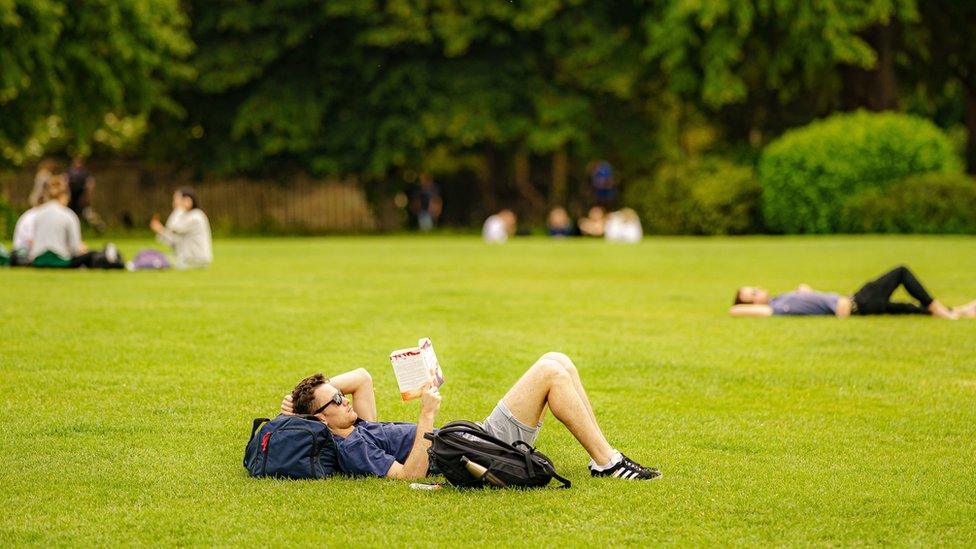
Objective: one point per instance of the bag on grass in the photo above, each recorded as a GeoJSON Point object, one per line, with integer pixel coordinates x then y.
{"type": "Point", "coordinates": [290, 447]}
{"type": "Point", "coordinates": [471, 458]}
{"type": "Point", "coordinates": [149, 259]}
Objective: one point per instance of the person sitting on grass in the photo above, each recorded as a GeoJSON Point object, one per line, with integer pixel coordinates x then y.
{"type": "Point", "coordinates": [499, 227]}
{"type": "Point", "coordinates": [56, 240]}
{"type": "Point", "coordinates": [874, 298]}
{"type": "Point", "coordinates": [187, 231]}
{"type": "Point", "coordinates": [367, 447]}
{"type": "Point", "coordinates": [558, 224]}
{"type": "Point", "coordinates": [24, 228]}
{"type": "Point", "coordinates": [593, 223]}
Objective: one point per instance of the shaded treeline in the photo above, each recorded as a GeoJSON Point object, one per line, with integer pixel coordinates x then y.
{"type": "Point", "coordinates": [506, 100]}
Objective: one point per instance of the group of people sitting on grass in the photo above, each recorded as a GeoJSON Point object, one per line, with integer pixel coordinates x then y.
{"type": "Point", "coordinates": [48, 235]}
{"type": "Point", "coordinates": [619, 226]}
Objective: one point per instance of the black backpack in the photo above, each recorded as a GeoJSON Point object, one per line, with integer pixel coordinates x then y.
{"type": "Point", "coordinates": [290, 447]}
{"type": "Point", "coordinates": [471, 458]}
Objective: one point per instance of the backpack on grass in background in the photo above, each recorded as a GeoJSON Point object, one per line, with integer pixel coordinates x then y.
{"type": "Point", "coordinates": [471, 458]}
{"type": "Point", "coordinates": [290, 447]}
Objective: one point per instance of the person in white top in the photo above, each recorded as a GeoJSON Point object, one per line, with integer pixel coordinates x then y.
{"type": "Point", "coordinates": [623, 226]}
{"type": "Point", "coordinates": [56, 239]}
{"type": "Point", "coordinates": [187, 231]}
{"type": "Point", "coordinates": [499, 227]}
{"type": "Point", "coordinates": [56, 229]}
{"type": "Point", "coordinates": [24, 234]}
{"type": "Point", "coordinates": [24, 229]}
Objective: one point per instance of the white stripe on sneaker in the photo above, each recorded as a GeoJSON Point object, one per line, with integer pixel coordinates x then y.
{"type": "Point", "coordinates": [618, 472]}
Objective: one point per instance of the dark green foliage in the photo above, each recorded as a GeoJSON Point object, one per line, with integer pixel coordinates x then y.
{"type": "Point", "coordinates": [369, 88]}
{"type": "Point", "coordinates": [705, 197]}
{"type": "Point", "coordinates": [763, 65]}
{"type": "Point", "coordinates": [381, 90]}
{"type": "Point", "coordinates": [930, 203]}
{"type": "Point", "coordinates": [69, 70]}
{"type": "Point", "coordinates": [808, 174]}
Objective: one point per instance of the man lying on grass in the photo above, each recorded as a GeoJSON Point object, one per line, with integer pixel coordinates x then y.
{"type": "Point", "coordinates": [874, 298]}
{"type": "Point", "coordinates": [399, 450]}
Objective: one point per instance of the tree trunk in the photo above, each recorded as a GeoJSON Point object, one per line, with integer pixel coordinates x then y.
{"type": "Point", "coordinates": [875, 88]}
{"type": "Point", "coordinates": [523, 181]}
{"type": "Point", "coordinates": [560, 175]}
{"type": "Point", "coordinates": [488, 181]}
{"type": "Point", "coordinates": [970, 98]}
{"type": "Point", "coordinates": [885, 84]}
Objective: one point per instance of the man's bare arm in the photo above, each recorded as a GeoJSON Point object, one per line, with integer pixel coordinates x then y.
{"type": "Point", "coordinates": [356, 383]}
{"type": "Point", "coordinates": [417, 462]}
{"type": "Point", "coordinates": [843, 307]}
{"type": "Point", "coordinates": [751, 310]}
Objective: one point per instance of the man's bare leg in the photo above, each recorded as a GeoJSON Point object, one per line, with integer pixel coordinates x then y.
{"type": "Point", "coordinates": [548, 382]}
{"type": "Point", "coordinates": [570, 368]}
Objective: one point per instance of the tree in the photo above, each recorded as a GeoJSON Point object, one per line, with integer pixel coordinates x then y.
{"type": "Point", "coordinates": [376, 88]}
{"type": "Point", "coordinates": [69, 70]}
{"type": "Point", "coordinates": [765, 65]}
{"type": "Point", "coordinates": [942, 63]}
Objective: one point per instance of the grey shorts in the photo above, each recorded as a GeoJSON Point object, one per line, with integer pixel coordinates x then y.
{"type": "Point", "coordinates": [502, 425]}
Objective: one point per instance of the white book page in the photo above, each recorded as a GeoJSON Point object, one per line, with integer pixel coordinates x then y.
{"type": "Point", "coordinates": [435, 373]}
{"type": "Point", "coordinates": [411, 372]}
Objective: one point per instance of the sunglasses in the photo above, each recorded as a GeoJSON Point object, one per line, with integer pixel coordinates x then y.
{"type": "Point", "coordinates": [336, 399]}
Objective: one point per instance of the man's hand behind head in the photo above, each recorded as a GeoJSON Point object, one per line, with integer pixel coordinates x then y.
{"type": "Point", "coordinates": [287, 406]}
{"type": "Point", "coordinates": [430, 401]}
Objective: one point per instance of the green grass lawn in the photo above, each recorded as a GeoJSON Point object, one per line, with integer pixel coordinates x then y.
{"type": "Point", "coordinates": [127, 397]}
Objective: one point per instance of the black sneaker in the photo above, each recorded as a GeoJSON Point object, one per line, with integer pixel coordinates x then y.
{"type": "Point", "coordinates": [627, 469]}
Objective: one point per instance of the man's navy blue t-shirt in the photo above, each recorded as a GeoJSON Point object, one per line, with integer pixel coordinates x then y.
{"type": "Point", "coordinates": [373, 446]}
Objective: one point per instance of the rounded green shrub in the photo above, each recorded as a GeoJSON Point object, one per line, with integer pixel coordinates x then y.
{"type": "Point", "coordinates": [702, 197]}
{"type": "Point", "coordinates": [930, 203]}
{"type": "Point", "coordinates": [809, 173]}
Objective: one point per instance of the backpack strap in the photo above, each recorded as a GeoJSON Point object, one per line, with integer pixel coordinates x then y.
{"type": "Point", "coordinates": [546, 464]}
{"type": "Point", "coordinates": [527, 454]}
{"type": "Point", "coordinates": [563, 480]}
{"type": "Point", "coordinates": [472, 429]}
{"type": "Point", "coordinates": [257, 423]}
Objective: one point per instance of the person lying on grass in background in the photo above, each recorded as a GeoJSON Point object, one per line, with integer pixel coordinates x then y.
{"type": "Point", "coordinates": [874, 298]}
{"type": "Point", "coordinates": [399, 450]}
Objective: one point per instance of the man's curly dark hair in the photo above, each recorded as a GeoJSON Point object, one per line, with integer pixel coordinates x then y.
{"type": "Point", "coordinates": [738, 297]}
{"type": "Point", "coordinates": [303, 395]}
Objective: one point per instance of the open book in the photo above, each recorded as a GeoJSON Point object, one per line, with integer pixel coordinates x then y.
{"type": "Point", "coordinates": [416, 367]}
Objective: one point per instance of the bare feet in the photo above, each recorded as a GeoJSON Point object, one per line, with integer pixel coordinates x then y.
{"type": "Point", "coordinates": [966, 311]}
{"type": "Point", "coordinates": [939, 310]}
